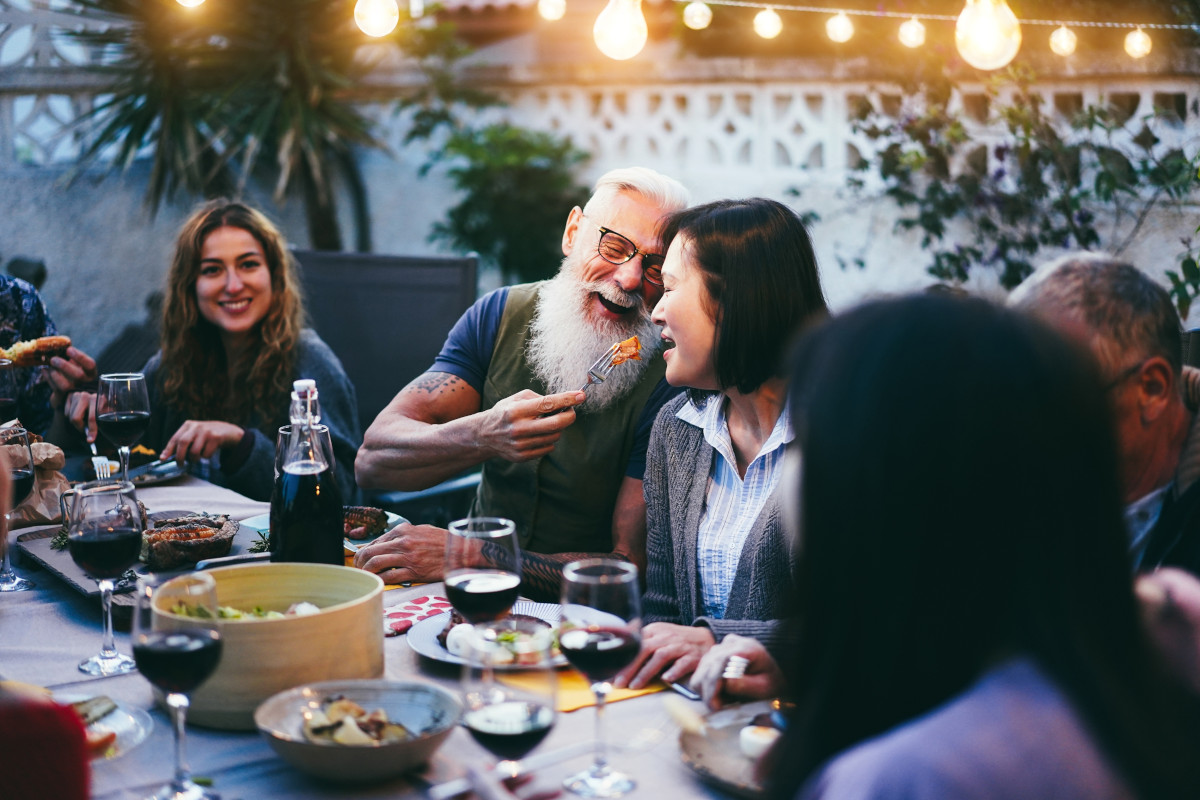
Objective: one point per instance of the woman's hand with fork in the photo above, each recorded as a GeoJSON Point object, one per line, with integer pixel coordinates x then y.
{"type": "Point", "coordinates": [526, 425]}
{"type": "Point", "coordinates": [80, 409]}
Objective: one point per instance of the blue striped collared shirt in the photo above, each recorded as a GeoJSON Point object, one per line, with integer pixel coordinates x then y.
{"type": "Point", "coordinates": [732, 503]}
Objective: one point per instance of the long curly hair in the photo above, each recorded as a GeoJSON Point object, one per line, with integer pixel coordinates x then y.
{"type": "Point", "coordinates": [195, 372]}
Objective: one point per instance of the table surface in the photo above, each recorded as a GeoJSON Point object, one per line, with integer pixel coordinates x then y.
{"type": "Point", "coordinates": [44, 633]}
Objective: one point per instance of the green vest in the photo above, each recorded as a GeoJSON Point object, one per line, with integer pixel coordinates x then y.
{"type": "Point", "coordinates": [562, 502]}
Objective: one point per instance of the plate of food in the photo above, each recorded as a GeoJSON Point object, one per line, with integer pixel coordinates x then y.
{"type": "Point", "coordinates": [159, 473]}
{"type": "Point", "coordinates": [724, 748]}
{"type": "Point", "coordinates": [113, 728]}
{"type": "Point", "coordinates": [442, 637]}
{"type": "Point", "coordinates": [360, 524]}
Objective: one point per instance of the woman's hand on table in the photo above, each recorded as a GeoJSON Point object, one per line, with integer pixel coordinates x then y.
{"type": "Point", "coordinates": [762, 679]}
{"type": "Point", "coordinates": [197, 439]}
{"type": "Point", "coordinates": [407, 552]}
{"type": "Point", "coordinates": [80, 409]}
{"type": "Point", "coordinates": [673, 650]}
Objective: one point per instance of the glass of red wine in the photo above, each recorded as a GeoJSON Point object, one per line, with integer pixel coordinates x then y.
{"type": "Point", "coordinates": [177, 644]}
{"type": "Point", "coordinates": [510, 718]}
{"type": "Point", "coordinates": [15, 442]}
{"type": "Point", "coordinates": [483, 568]}
{"type": "Point", "coordinates": [600, 634]}
{"type": "Point", "coordinates": [9, 391]}
{"type": "Point", "coordinates": [123, 412]}
{"type": "Point", "coordinates": [104, 538]}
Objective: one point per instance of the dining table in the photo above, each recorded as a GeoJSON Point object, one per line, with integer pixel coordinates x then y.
{"type": "Point", "coordinates": [45, 632]}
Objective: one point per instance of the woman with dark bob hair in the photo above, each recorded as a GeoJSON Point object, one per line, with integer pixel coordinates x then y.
{"type": "Point", "coordinates": [967, 622]}
{"type": "Point", "coordinates": [233, 341]}
{"type": "Point", "coordinates": [740, 278]}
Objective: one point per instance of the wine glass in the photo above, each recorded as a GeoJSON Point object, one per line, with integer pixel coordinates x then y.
{"type": "Point", "coordinates": [177, 653]}
{"type": "Point", "coordinates": [483, 568]}
{"type": "Point", "coordinates": [104, 538]}
{"type": "Point", "coordinates": [20, 471]}
{"type": "Point", "coordinates": [600, 634]}
{"type": "Point", "coordinates": [9, 391]}
{"type": "Point", "coordinates": [123, 412]}
{"type": "Point", "coordinates": [510, 718]}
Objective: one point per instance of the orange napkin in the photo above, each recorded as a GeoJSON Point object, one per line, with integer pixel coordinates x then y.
{"type": "Point", "coordinates": [574, 691]}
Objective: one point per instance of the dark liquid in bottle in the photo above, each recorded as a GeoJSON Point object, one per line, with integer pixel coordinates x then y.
{"type": "Point", "coordinates": [510, 729]}
{"type": "Point", "coordinates": [599, 653]}
{"type": "Point", "coordinates": [177, 661]}
{"type": "Point", "coordinates": [482, 595]}
{"type": "Point", "coordinates": [8, 409]}
{"type": "Point", "coordinates": [104, 552]}
{"type": "Point", "coordinates": [124, 428]}
{"type": "Point", "coordinates": [306, 516]}
{"type": "Point", "coordinates": [22, 484]}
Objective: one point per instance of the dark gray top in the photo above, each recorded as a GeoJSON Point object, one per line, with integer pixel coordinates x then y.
{"type": "Point", "coordinates": [678, 464]}
{"type": "Point", "coordinates": [255, 477]}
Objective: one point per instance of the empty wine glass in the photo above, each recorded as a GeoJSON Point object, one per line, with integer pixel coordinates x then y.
{"type": "Point", "coordinates": [177, 644]}
{"type": "Point", "coordinates": [104, 538]}
{"type": "Point", "coordinates": [123, 412]}
{"type": "Point", "coordinates": [510, 717]}
{"type": "Point", "coordinates": [15, 442]}
{"type": "Point", "coordinates": [600, 634]}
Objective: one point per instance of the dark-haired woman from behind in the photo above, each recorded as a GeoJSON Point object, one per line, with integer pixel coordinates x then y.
{"type": "Point", "coordinates": [967, 627]}
{"type": "Point", "coordinates": [740, 278]}
{"type": "Point", "coordinates": [233, 341]}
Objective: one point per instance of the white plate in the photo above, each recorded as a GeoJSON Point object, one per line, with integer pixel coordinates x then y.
{"type": "Point", "coordinates": [262, 523]}
{"type": "Point", "coordinates": [716, 756]}
{"type": "Point", "coordinates": [422, 636]}
{"type": "Point", "coordinates": [132, 726]}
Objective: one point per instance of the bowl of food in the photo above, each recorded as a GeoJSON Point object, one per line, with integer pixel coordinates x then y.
{"type": "Point", "coordinates": [358, 731]}
{"type": "Point", "coordinates": [283, 625]}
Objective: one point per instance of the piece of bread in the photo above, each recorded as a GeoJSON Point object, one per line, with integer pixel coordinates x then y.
{"type": "Point", "coordinates": [35, 352]}
{"type": "Point", "coordinates": [182, 541]}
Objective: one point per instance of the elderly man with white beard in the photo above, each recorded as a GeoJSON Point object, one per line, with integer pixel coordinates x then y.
{"type": "Point", "coordinates": [504, 393]}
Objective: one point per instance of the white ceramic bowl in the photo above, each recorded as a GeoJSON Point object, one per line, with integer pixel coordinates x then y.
{"type": "Point", "coordinates": [428, 711]}
{"type": "Point", "coordinates": [261, 657]}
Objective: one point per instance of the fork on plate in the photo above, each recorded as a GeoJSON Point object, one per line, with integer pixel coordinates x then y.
{"type": "Point", "coordinates": [598, 372]}
{"type": "Point", "coordinates": [100, 465]}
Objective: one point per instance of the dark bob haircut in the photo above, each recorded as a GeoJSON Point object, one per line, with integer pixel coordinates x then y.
{"type": "Point", "coordinates": [961, 505]}
{"type": "Point", "coordinates": [761, 274]}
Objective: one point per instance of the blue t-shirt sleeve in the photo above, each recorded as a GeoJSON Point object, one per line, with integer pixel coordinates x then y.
{"type": "Point", "coordinates": [467, 352]}
{"type": "Point", "coordinates": [641, 437]}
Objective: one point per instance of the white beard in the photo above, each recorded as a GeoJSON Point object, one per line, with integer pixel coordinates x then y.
{"type": "Point", "coordinates": [564, 342]}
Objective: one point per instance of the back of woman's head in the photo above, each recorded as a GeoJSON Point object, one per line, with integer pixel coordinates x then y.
{"type": "Point", "coordinates": [194, 379]}
{"type": "Point", "coordinates": [959, 504]}
{"type": "Point", "coordinates": [760, 270]}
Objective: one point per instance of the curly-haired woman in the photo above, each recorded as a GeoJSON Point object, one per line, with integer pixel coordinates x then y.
{"type": "Point", "coordinates": [233, 340]}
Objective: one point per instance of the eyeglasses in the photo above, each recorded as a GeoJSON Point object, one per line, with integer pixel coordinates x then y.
{"type": "Point", "coordinates": [616, 249]}
{"type": "Point", "coordinates": [1124, 375]}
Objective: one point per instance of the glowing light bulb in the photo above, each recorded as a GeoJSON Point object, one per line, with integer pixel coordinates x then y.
{"type": "Point", "coordinates": [1138, 44]}
{"type": "Point", "coordinates": [839, 28]}
{"type": "Point", "coordinates": [697, 16]}
{"type": "Point", "coordinates": [552, 9]}
{"type": "Point", "coordinates": [912, 33]}
{"type": "Point", "coordinates": [767, 24]}
{"type": "Point", "coordinates": [987, 34]}
{"type": "Point", "coordinates": [620, 30]}
{"type": "Point", "coordinates": [1063, 40]}
{"type": "Point", "coordinates": [189, 3]}
{"type": "Point", "coordinates": [376, 17]}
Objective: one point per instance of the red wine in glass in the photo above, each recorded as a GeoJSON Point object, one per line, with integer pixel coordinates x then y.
{"type": "Point", "coordinates": [509, 729]}
{"type": "Point", "coordinates": [123, 428]}
{"type": "Point", "coordinates": [8, 408]}
{"type": "Point", "coordinates": [102, 551]}
{"type": "Point", "coordinates": [306, 516]}
{"type": "Point", "coordinates": [22, 484]}
{"type": "Point", "coordinates": [599, 653]}
{"type": "Point", "coordinates": [178, 661]}
{"type": "Point", "coordinates": [482, 595]}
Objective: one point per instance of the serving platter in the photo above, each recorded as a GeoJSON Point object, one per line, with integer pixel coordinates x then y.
{"type": "Point", "coordinates": [422, 636]}
{"type": "Point", "coordinates": [36, 545]}
{"type": "Point", "coordinates": [716, 755]}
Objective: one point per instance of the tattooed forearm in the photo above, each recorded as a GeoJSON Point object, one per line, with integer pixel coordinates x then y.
{"type": "Point", "coordinates": [541, 573]}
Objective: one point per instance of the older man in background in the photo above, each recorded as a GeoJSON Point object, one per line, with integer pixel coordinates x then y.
{"type": "Point", "coordinates": [1130, 325]}
{"type": "Point", "coordinates": [504, 393]}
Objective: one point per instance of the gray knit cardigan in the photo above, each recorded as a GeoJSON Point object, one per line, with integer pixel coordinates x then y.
{"type": "Point", "coordinates": [678, 464]}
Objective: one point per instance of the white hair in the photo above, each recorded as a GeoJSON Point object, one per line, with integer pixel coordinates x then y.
{"type": "Point", "coordinates": [666, 193]}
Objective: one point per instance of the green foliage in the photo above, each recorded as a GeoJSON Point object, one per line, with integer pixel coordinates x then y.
{"type": "Point", "coordinates": [1045, 185]}
{"type": "Point", "coordinates": [518, 185]}
{"type": "Point", "coordinates": [219, 91]}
